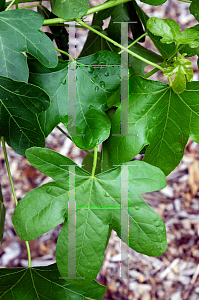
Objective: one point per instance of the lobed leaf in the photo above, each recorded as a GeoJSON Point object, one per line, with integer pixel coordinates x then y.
{"type": "Point", "coordinates": [98, 204]}
{"type": "Point", "coordinates": [162, 119]}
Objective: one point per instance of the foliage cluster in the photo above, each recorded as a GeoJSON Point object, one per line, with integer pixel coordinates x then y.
{"type": "Point", "coordinates": [37, 90]}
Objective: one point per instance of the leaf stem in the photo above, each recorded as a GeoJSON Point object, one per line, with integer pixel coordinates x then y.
{"type": "Point", "coordinates": [170, 82]}
{"type": "Point", "coordinates": [94, 161]}
{"type": "Point", "coordinates": [105, 5]}
{"type": "Point", "coordinates": [148, 62]}
{"type": "Point", "coordinates": [68, 136]}
{"type": "Point", "coordinates": [134, 42]}
{"type": "Point", "coordinates": [163, 63]}
{"type": "Point", "coordinates": [13, 192]}
{"type": "Point", "coordinates": [11, 3]}
{"type": "Point", "coordinates": [185, 1]}
{"type": "Point", "coordinates": [66, 53]}
{"type": "Point", "coordinates": [92, 10]}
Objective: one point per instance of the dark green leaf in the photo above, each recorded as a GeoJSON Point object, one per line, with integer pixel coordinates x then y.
{"type": "Point", "coordinates": [70, 9]}
{"type": "Point", "coordinates": [94, 42]}
{"type": "Point", "coordinates": [2, 4]}
{"type": "Point", "coordinates": [119, 14]}
{"type": "Point", "coordinates": [93, 88]}
{"type": "Point", "coordinates": [162, 119]}
{"type": "Point", "coordinates": [22, 28]}
{"type": "Point", "coordinates": [194, 9]}
{"type": "Point", "coordinates": [44, 283]}
{"type": "Point", "coordinates": [98, 204]}
{"type": "Point", "coordinates": [20, 105]}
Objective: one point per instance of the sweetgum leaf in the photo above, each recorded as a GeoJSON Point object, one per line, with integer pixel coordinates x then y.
{"type": "Point", "coordinates": [170, 32]}
{"type": "Point", "coordinates": [98, 204]}
{"type": "Point", "coordinates": [20, 105]}
{"type": "Point", "coordinates": [162, 119]}
{"type": "Point", "coordinates": [19, 32]}
{"type": "Point", "coordinates": [69, 9]}
{"type": "Point", "coordinates": [94, 85]}
{"type": "Point", "coordinates": [44, 283]}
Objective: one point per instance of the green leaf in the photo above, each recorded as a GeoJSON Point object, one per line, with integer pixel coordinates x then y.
{"type": "Point", "coordinates": [93, 88]}
{"type": "Point", "coordinates": [98, 204]}
{"type": "Point", "coordinates": [22, 28]}
{"type": "Point", "coordinates": [164, 49]}
{"type": "Point", "coordinates": [119, 13]}
{"type": "Point", "coordinates": [170, 31]}
{"type": "Point", "coordinates": [20, 105]}
{"type": "Point", "coordinates": [69, 9]}
{"type": "Point", "coordinates": [154, 2]}
{"type": "Point", "coordinates": [180, 68]}
{"type": "Point", "coordinates": [162, 119]}
{"type": "Point", "coordinates": [44, 283]}
{"type": "Point", "coordinates": [2, 4]}
{"type": "Point", "coordinates": [94, 42]}
{"type": "Point", "coordinates": [194, 9]}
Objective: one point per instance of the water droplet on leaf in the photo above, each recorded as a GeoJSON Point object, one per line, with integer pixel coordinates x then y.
{"type": "Point", "coordinates": [97, 88]}
{"type": "Point", "coordinates": [137, 207]}
{"type": "Point", "coordinates": [102, 84]}
{"type": "Point", "coordinates": [106, 194]}
{"type": "Point", "coordinates": [64, 81]}
{"type": "Point", "coordinates": [92, 81]}
{"type": "Point", "coordinates": [95, 76]}
{"type": "Point", "coordinates": [106, 73]}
